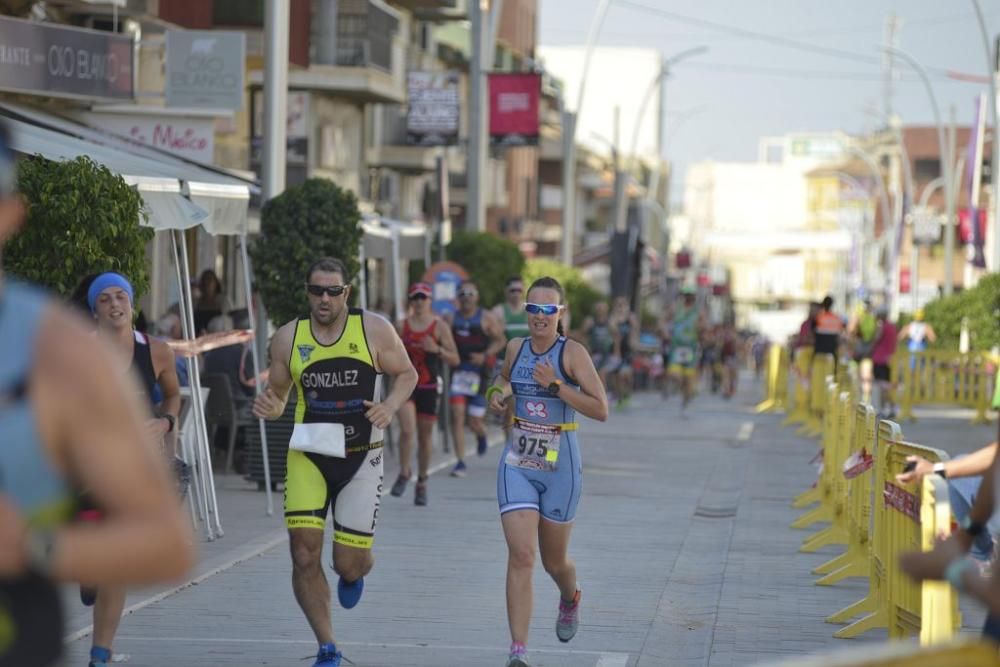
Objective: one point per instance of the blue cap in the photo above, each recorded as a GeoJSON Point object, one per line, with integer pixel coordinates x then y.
{"type": "Point", "coordinates": [103, 282]}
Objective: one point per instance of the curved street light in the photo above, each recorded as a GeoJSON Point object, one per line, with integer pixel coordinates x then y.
{"type": "Point", "coordinates": [995, 159]}
{"type": "Point", "coordinates": [943, 158]}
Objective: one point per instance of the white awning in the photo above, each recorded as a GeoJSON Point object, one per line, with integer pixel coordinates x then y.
{"type": "Point", "coordinates": [219, 202]}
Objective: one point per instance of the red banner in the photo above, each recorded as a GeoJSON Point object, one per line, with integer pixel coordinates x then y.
{"type": "Point", "coordinates": [514, 102]}
{"type": "Point", "coordinates": [902, 501]}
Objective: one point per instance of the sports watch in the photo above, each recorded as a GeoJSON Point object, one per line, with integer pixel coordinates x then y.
{"type": "Point", "coordinates": [554, 387]}
{"type": "Point", "coordinates": [939, 470]}
{"type": "Point", "coordinates": [170, 420]}
{"type": "Point", "coordinates": [972, 528]}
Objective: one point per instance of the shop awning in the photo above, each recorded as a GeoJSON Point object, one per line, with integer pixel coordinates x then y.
{"type": "Point", "coordinates": [215, 200]}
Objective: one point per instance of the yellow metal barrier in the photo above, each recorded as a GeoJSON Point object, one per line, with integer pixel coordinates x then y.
{"type": "Point", "coordinates": [836, 450]}
{"type": "Point", "coordinates": [802, 368]}
{"type": "Point", "coordinates": [823, 491]}
{"type": "Point", "coordinates": [777, 380]}
{"type": "Point", "coordinates": [906, 519]}
{"type": "Point", "coordinates": [822, 366]}
{"type": "Point", "coordinates": [857, 473]}
{"type": "Point", "coordinates": [958, 654]}
{"type": "Point", "coordinates": [938, 377]}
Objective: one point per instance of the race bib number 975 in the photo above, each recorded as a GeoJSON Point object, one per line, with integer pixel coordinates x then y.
{"type": "Point", "coordinates": [534, 446]}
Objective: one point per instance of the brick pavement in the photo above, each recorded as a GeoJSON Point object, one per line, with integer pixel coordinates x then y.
{"type": "Point", "coordinates": [682, 544]}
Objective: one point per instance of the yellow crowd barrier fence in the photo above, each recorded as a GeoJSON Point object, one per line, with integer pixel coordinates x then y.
{"type": "Point", "coordinates": [877, 519]}
{"type": "Point", "coordinates": [822, 365]}
{"type": "Point", "coordinates": [939, 377]}
{"type": "Point", "coordinates": [776, 382]}
{"type": "Point", "coordinates": [952, 654]}
{"type": "Point", "coordinates": [801, 369]}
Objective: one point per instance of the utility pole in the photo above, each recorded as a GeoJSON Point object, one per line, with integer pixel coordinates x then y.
{"type": "Point", "coordinates": [275, 98]}
{"type": "Point", "coordinates": [475, 211]}
{"type": "Point", "coordinates": [890, 41]}
{"type": "Point", "coordinates": [950, 199]}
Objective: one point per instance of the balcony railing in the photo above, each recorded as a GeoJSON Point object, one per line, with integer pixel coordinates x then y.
{"type": "Point", "coordinates": [359, 35]}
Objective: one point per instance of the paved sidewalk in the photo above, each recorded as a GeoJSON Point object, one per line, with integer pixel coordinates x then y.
{"type": "Point", "coordinates": [681, 541]}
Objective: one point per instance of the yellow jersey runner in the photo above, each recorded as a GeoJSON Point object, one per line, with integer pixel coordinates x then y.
{"type": "Point", "coordinates": [335, 454]}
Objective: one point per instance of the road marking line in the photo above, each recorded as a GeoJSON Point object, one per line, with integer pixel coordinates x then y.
{"type": "Point", "coordinates": [450, 461]}
{"type": "Point", "coordinates": [142, 604]}
{"type": "Point", "coordinates": [745, 432]}
{"type": "Point", "coordinates": [617, 659]}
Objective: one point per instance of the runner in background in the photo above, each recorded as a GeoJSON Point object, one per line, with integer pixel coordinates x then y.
{"type": "Point", "coordinates": [687, 327]}
{"type": "Point", "coordinates": [428, 343]}
{"type": "Point", "coordinates": [600, 340]}
{"type": "Point", "coordinates": [478, 336]}
{"type": "Point", "coordinates": [625, 329]}
{"type": "Point", "coordinates": [510, 313]}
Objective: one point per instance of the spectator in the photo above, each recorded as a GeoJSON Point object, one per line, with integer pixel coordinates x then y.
{"type": "Point", "coordinates": [211, 301]}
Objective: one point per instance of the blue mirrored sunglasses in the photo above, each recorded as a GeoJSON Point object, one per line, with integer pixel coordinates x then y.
{"type": "Point", "coordinates": [542, 308]}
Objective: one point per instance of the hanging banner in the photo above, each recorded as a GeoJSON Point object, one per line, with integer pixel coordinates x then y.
{"type": "Point", "coordinates": [433, 110]}
{"type": "Point", "coordinates": [205, 69]}
{"type": "Point", "coordinates": [514, 102]}
{"type": "Point", "coordinates": [63, 61]}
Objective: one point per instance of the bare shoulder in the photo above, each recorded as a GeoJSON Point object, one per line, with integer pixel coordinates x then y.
{"type": "Point", "coordinates": [70, 346]}
{"type": "Point", "coordinates": [377, 326]}
{"type": "Point", "coordinates": [513, 346]}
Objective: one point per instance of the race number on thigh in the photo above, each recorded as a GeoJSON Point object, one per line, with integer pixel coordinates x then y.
{"type": "Point", "coordinates": [534, 446]}
{"type": "Point", "coordinates": [683, 355]}
{"type": "Point", "coordinates": [465, 383]}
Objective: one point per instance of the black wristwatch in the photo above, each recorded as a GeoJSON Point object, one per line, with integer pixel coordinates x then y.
{"type": "Point", "coordinates": [170, 420]}
{"type": "Point", "coordinates": [554, 387]}
{"type": "Point", "coordinates": [972, 528]}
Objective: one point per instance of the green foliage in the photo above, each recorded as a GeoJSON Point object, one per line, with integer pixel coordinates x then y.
{"type": "Point", "coordinates": [489, 259]}
{"type": "Point", "coordinates": [82, 219]}
{"type": "Point", "coordinates": [981, 305]}
{"type": "Point", "coordinates": [306, 222]}
{"type": "Point", "coordinates": [579, 294]}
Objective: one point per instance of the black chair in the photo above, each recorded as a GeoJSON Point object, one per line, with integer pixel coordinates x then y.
{"type": "Point", "coordinates": [220, 410]}
{"type": "Point", "coordinates": [279, 431]}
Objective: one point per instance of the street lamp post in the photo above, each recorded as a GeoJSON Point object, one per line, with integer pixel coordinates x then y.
{"type": "Point", "coordinates": [569, 140]}
{"type": "Point", "coordinates": [944, 161]}
{"type": "Point", "coordinates": [621, 206]}
{"type": "Point", "coordinates": [883, 201]}
{"type": "Point", "coordinates": [995, 158]}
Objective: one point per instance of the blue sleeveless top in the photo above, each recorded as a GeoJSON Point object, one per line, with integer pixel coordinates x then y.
{"type": "Point", "coordinates": [533, 402]}
{"type": "Point", "coordinates": [27, 477]}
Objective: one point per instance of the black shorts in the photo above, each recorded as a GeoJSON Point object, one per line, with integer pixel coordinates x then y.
{"type": "Point", "coordinates": [882, 372]}
{"type": "Point", "coordinates": [426, 402]}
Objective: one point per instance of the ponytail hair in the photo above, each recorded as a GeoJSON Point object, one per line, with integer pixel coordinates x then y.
{"type": "Point", "coordinates": [548, 282]}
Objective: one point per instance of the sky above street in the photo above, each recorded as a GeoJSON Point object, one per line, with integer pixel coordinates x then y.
{"type": "Point", "coordinates": [778, 66]}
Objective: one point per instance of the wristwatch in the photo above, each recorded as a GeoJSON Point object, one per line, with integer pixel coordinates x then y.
{"type": "Point", "coordinates": [939, 470]}
{"type": "Point", "coordinates": [972, 528]}
{"type": "Point", "coordinates": [554, 387]}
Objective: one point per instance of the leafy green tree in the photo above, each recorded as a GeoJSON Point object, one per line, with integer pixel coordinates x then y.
{"type": "Point", "coordinates": [579, 293]}
{"type": "Point", "coordinates": [82, 219]}
{"type": "Point", "coordinates": [489, 259]}
{"type": "Point", "coordinates": [980, 304]}
{"type": "Point", "coordinates": [302, 224]}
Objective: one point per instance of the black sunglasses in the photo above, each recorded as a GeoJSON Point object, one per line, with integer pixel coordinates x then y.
{"type": "Point", "coordinates": [418, 296]}
{"type": "Point", "coordinates": [320, 290]}
{"type": "Point", "coordinates": [467, 293]}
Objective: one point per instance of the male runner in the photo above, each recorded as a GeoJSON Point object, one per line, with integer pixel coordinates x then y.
{"type": "Point", "coordinates": [510, 313]}
{"type": "Point", "coordinates": [478, 336]}
{"type": "Point", "coordinates": [65, 423]}
{"type": "Point", "coordinates": [688, 325]}
{"type": "Point", "coordinates": [600, 340]}
{"type": "Point", "coordinates": [335, 358]}
{"type": "Point", "coordinates": [428, 342]}
{"type": "Point", "coordinates": [625, 329]}
{"type": "Point", "coordinates": [150, 361]}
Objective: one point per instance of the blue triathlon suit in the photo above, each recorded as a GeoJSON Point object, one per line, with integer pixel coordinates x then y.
{"type": "Point", "coordinates": [31, 617]}
{"type": "Point", "coordinates": [552, 493]}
